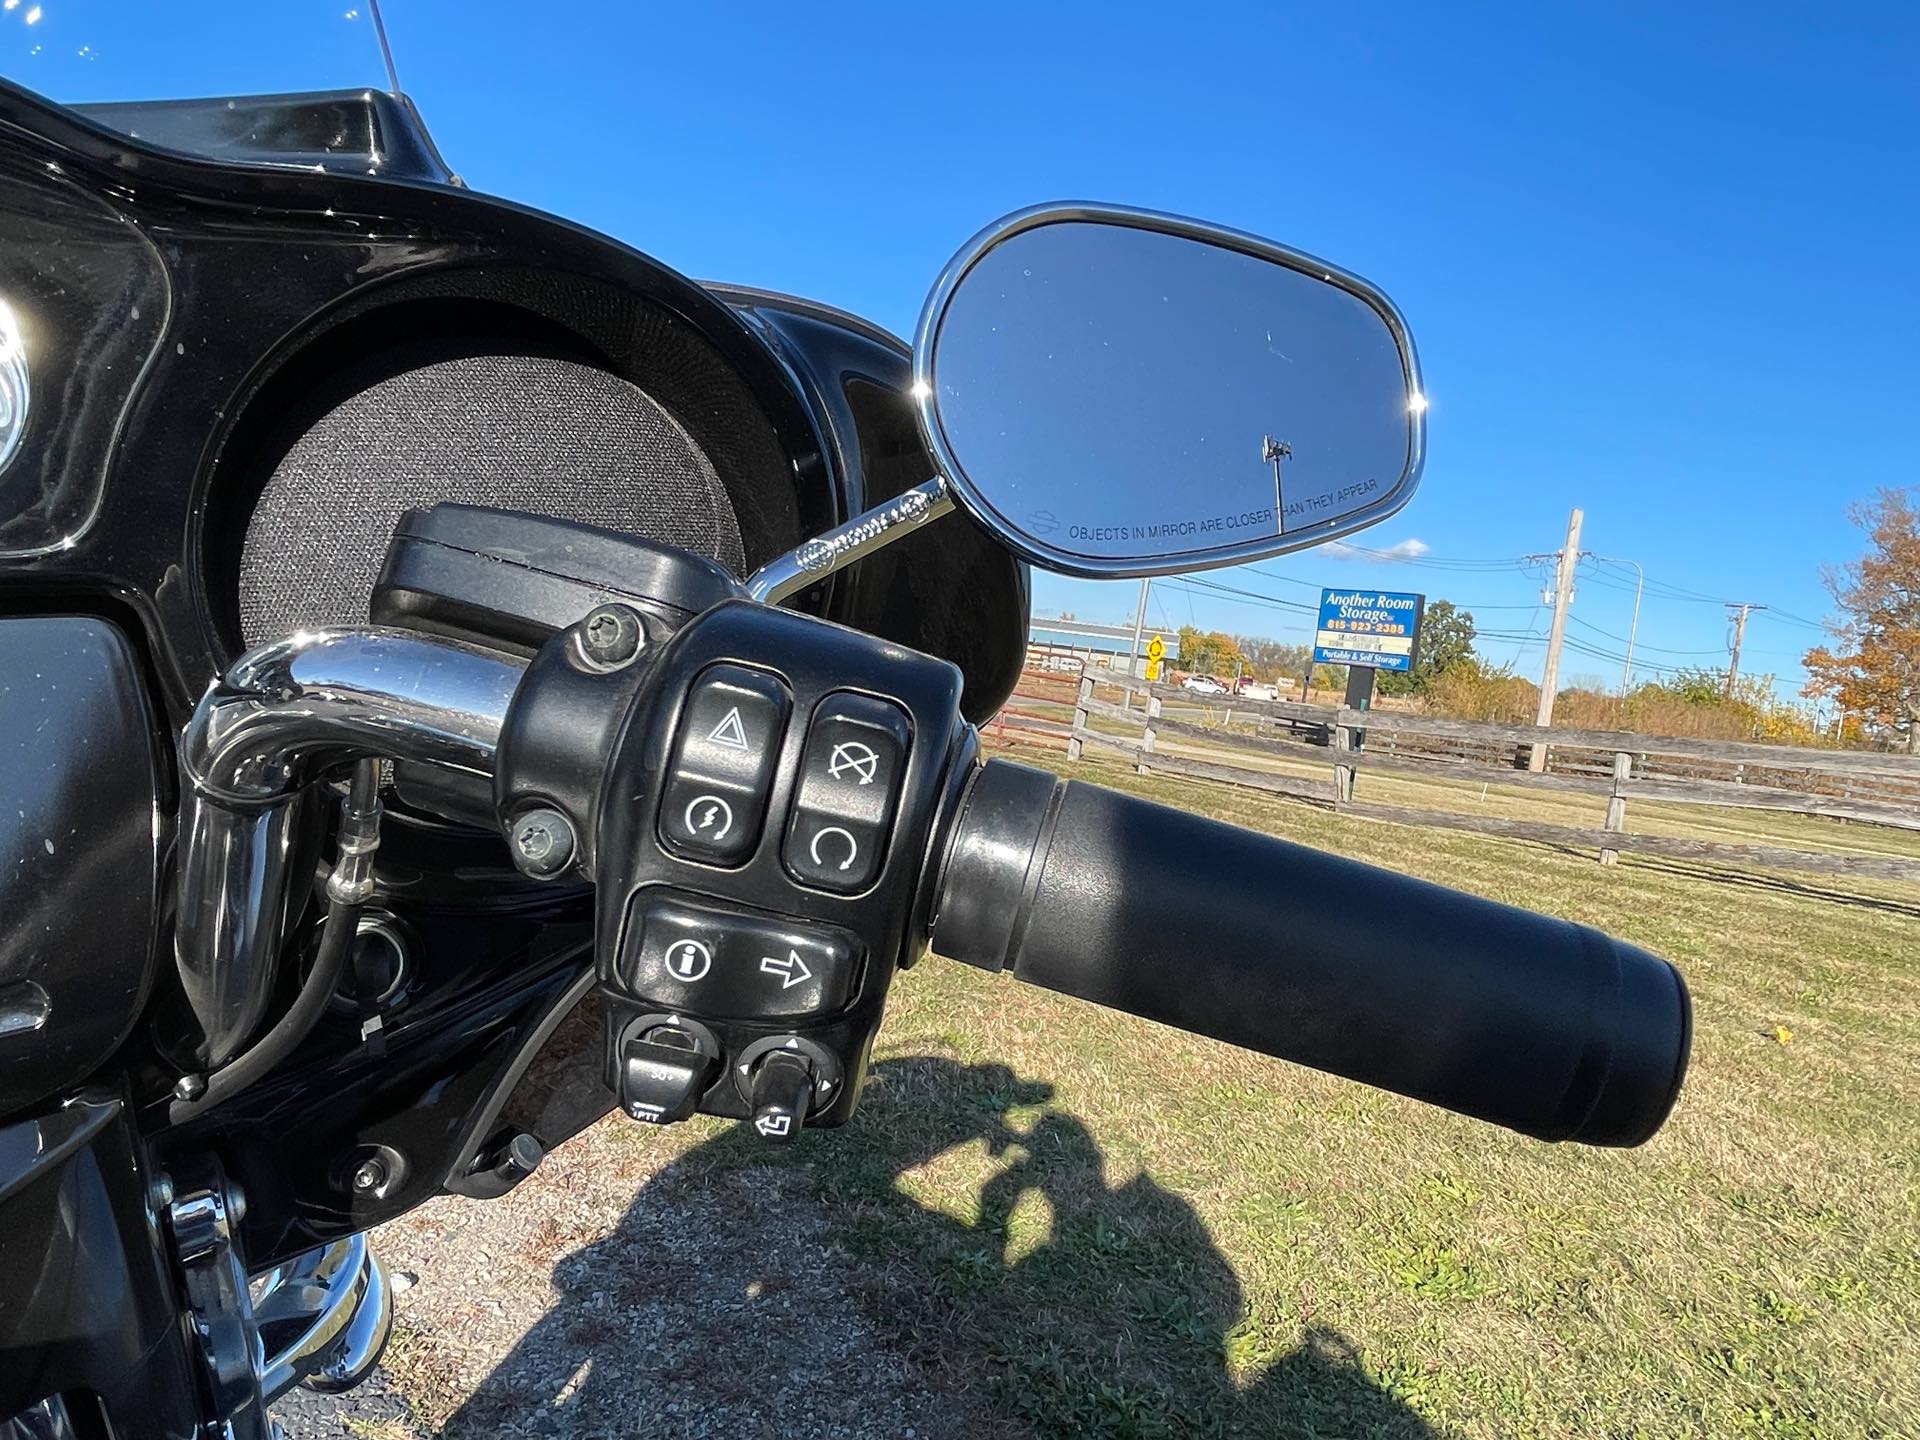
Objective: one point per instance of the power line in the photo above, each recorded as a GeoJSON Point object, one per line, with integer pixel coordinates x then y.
{"type": "Point", "coordinates": [1639, 644]}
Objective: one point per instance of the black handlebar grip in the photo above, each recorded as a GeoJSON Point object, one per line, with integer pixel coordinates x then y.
{"type": "Point", "coordinates": [1547, 1027]}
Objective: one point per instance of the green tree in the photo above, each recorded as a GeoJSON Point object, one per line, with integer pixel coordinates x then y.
{"type": "Point", "coordinates": [1446, 639]}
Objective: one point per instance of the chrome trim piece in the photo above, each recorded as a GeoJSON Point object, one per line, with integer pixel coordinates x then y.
{"type": "Point", "coordinates": [279, 716]}
{"type": "Point", "coordinates": [16, 393]}
{"type": "Point", "coordinates": [47, 1420]}
{"type": "Point", "coordinates": [841, 546]}
{"type": "Point", "coordinates": [327, 1315]}
{"type": "Point", "coordinates": [1066, 562]}
{"type": "Point", "coordinates": [24, 1008]}
{"type": "Point", "coordinates": [202, 1222]}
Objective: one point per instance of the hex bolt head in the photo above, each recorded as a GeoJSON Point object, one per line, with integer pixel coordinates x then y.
{"type": "Point", "coordinates": [611, 637]}
{"type": "Point", "coordinates": [371, 1175]}
{"type": "Point", "coordinates": [543, 843]}
{"type": "Point", "coordinates": [189, 1087]}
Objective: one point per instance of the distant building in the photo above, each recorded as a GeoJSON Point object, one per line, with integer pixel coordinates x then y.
{"type": "Point", "coordinates": [1069, 644]}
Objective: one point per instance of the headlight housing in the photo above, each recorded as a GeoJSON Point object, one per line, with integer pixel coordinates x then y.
{"type": "Point", "coordinates": [84, 302]}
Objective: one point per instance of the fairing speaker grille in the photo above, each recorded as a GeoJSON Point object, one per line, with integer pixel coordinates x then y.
{"type": "Point", "coordinates": [548, 436]}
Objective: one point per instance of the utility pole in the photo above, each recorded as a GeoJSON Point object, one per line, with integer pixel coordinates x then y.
{"type": "Point", "coordinates": [1139, 624]}
{"type": "Point", "coordinates": [1739, 613]}
{"type": "Point", "coordinates": [1633, 631]}
{"type": "Point", "coordinates": [1562, 597]}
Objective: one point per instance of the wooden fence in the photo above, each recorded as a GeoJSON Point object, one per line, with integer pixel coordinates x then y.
{"type": "Point", "coordinates": [1615, 766]}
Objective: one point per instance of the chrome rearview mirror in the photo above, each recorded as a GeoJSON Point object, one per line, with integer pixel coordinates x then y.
{"type": "Point", "coordinates": [1115, 392]}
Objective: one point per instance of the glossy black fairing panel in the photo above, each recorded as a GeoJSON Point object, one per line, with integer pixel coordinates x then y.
{"type": "Point", "coordinates": [492, 978]}
{"type": "Point", "coordinates": [79, 837]}
{"type": "Point", "coordinates": [950, 590]}
{"type": "Point", "coordinates": [88, 1303]}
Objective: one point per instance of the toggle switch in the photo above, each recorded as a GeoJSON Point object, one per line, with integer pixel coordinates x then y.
{"type": "Point", "coordinates": [781, 1093]}
{"type": "Point", "coordinates": [663, 1073]}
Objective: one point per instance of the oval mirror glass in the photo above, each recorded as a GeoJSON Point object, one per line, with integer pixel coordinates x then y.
{"type": "Point", "coordinates": [1122, 393]}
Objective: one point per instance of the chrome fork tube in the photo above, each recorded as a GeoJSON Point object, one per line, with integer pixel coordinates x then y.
{"type": "Point", "coordinates": [262, 732]}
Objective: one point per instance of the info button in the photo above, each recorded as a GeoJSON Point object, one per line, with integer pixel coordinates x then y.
{"type": "Point", "coordinates": [703, 960]}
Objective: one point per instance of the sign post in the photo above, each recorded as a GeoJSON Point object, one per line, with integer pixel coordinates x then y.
{"type": "Point", "coordinates": [1367, 631]}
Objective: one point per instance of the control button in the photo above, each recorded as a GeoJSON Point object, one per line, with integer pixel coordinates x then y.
{"type": "Point", "coordinates": [701, 820]}
{"type": "Point", "coordinates": [850, 778]}
{"type": "Point", "coordinates": [780, 1094]}
{"type": "Point", "coordinates": [663, 1074]}
{"type": "Point", "coordinates": [708, 961]}
{"type": "Point", "coordinates": [689, 960]}
{"type": "Point", "coordinates": [723, 763]}
{"type": "Point", "coordinates": [731, 731]}
{"type": "Point", "coordinates": [831, 854]}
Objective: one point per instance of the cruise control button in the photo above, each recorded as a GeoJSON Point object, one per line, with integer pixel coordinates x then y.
{"type": "Point", "coordinates": [856, 749]}
{"type": "Point", "coordinates": [850, 778]}
{"type": "Point", "coordinates": [709, 961]}
{"type": "Point", "coordinates": [833, 854]}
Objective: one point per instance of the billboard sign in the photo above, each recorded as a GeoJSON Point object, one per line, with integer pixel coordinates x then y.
{"type": "Point", "coordinates": [1379, 628]}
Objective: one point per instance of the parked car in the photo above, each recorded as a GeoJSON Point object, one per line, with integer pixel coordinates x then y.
{"type": "Point", "coordinates": [1204, 685]}
{"type": "Point", "coordinates": [1248, 688]}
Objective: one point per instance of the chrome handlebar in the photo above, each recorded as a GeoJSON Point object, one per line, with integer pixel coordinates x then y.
{"type": "Point", "coordinates": [260, 734]}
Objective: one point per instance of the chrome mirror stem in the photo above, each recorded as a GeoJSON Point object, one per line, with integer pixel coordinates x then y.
{"type": "Point", "coordinates": [840, 547]}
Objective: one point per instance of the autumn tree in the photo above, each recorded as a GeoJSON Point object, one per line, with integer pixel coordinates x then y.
{"type": "Point", "coordinates": [1872, 667]}
{"type": "Point", "coordinates": [1275, 659]}
{"type": "Point", "coordinates": [1208, 652]}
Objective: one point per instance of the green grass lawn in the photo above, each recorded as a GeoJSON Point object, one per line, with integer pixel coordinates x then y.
{"type": "Point", "coordinates": [1126, 1231]}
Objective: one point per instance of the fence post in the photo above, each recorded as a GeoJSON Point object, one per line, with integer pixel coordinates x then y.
{"type": "Point", "coordinates": [1079, 717]}
{"type": "Point", "coordinates": [1617, 802]}
{"type": "Point", "coordinates": [1147, 735]}
{"type": "Point", "coordinates": [1342, 772]}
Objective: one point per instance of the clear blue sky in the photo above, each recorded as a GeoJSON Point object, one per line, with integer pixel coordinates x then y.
{"type": "Point", "coordinates": [1658, 258]}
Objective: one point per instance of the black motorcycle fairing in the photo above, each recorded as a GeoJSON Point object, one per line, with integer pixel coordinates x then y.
{"type": "Point", "coordinates": [279, 280]}
{"type": "Point", "coordinates": [79, 849]}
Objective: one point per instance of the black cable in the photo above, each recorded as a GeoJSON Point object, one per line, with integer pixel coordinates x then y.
{"type": "Point", "coordinates": [337, 935]}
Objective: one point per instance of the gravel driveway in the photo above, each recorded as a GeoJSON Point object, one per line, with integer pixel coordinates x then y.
{"type": "Point", "coordinates": [629, 1290]}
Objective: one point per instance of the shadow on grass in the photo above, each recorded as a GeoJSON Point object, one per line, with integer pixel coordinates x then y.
{"type": "Point", "coordinates": [985, 1244]}
{"type": "Point", "coordinates": [1778, 884]}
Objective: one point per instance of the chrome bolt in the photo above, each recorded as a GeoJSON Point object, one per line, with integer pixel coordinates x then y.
{"type": "Point", "coordinates": [610, 636]}
{"type": "Point", "coordinates": [160, 1194]}
{"type": "Point", "coordinates": [371, 1175]}
{"type": "Point", "coordinates": [189, 1087]}
{"type": "Point", "coordinates": [542, 843]}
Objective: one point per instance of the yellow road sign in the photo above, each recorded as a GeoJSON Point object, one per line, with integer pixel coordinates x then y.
{"type": "Point", "coordinates": [1153, 669]}
{"type": "Point", "coordinates": [1156, 649]}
